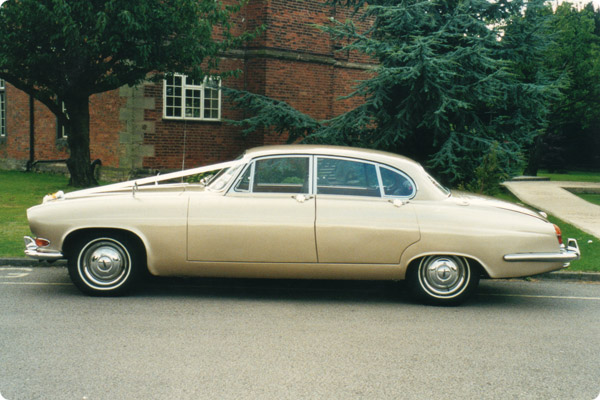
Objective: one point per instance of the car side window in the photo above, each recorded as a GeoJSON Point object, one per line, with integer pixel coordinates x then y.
{"type": "Point", "coordinates": [243, 184]}
{"type": "Point", "coordinates": [396, 184]}
{"type": "Point", "coordinates": [346, 177]}
{"type": "Point", "coordinates": [277, 175]}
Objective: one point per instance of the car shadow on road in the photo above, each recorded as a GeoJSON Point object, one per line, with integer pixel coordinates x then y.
{"type": "Point", "coordinates": [274, 289]}
{"type": "Point", "coordinates": [307, 291]}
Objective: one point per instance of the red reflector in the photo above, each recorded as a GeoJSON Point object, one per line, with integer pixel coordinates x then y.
{"type": "Point", "coordinates": [41, 242]}
{"type": "Point", "coordinates": [558, 234]}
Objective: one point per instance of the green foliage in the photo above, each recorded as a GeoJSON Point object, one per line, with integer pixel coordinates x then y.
{"type": "Point", "coordinates": [577, 51]}
{"type": "Point", "coordinates": [573, 135]}
{"type": "Point", "coordinates": [19, 191]}
{"type": "Point", "coordinates": [198, 178]}
{"type": "Point", "coordinates": [269, 113]}
{"type": "Point", "coordinates": [488, 175]}
{"type": "Point", "coordinates": [445, 89]}
{"type": "Point", "coordinates": [65, 51]}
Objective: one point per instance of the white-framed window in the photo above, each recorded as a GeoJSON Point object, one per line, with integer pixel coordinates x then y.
{"type": "Point", "coordinates": [184, 98]}
{"type": "Point", "coordinates": [2, 109]}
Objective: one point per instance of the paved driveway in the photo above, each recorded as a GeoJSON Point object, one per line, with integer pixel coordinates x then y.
{"type": "Point", "coordinates": [555, 198]}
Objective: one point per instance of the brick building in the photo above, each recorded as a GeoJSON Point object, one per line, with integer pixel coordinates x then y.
{"type": "Point", "coordinates": [179, 123]}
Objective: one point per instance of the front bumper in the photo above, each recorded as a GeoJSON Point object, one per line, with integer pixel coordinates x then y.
{"type": "Point", "coordinates": [566, 255]}
{"type": "Point", "coordinates": [39, 253]}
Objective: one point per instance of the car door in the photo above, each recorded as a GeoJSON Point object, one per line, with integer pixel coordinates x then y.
{"type": "Point", "coordinates": [267, 216]}
{"type": "Point", "coordinates": [363, 215]}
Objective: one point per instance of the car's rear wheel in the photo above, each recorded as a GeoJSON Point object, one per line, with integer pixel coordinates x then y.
{"type": "Point", "coordinates": [105, 265]}
{"type": "Point", "coordinates": [443, 280]}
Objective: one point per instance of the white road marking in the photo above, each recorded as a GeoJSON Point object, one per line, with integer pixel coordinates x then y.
{"type": "Point", "coordinates": [36, 284]}
{"type": "Point", "coordinates": [535, 296]}
{"type": "Point", "coordinates": [14, 272]}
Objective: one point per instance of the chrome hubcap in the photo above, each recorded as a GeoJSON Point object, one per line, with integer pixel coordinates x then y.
{"type": "Point", "coordinates": [104, 263]}
{"type": "Point", "coordinates": [443, 276]}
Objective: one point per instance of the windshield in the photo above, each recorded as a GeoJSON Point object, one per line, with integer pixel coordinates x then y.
{"type": "Point", "coordinates": [223, 177]}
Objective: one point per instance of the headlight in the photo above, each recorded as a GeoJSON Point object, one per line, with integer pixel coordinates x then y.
{"type": "Point", "coordinates": [54, 196]}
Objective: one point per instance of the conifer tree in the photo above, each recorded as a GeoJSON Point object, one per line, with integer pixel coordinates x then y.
{"type": "Point", "coordinates": [450, 85]}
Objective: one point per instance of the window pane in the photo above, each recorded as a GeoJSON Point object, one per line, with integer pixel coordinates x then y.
{"type": "Point", "coordinates": [173, 90]}
{"type": "Point", "coordinates": [211, 101]}
{"type": "Point", "coordinates": [192, 103]}
{"type": "Point", "coordinates": [396, 184]}
{"type": "Point", "coordinates": [281, 175]}
{"type": "Point", "coordinates": [244, 182]}
{"type": "Point", "coordinates": [346, 177]}
{"type": "Point", "coordinates": [184, 97]}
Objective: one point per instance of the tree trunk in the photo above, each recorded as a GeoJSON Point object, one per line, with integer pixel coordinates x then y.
{"type": "Point", "coordinates": [535, 153]}
{"type": "Point", "coordinates": [78, 139]}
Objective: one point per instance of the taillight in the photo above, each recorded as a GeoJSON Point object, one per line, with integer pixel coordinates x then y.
{"type": "Point", "coordinates": [41, 242]}
{"type": "Point", "coordinates": [558, 234]}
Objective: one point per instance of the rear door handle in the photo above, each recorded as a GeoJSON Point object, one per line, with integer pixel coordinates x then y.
{"type": "Point", "coordinates": [398, 202]}
{"type": "Point", "coordinates": [301, 198]}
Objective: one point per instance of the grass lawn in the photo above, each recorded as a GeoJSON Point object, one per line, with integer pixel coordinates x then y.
{"type": "Point", "coordinates": [573, 176]}
{"type": "Point", "coordinates": [593, 198]}
{"type": "Point", "coordinates": [590, 252]}
{"type": "Point", "coordinates": [588, 244]}
{"type": "Point", "coordinates": [18, 192]}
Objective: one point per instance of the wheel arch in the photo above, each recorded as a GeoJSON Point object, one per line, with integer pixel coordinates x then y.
{"type": "Point", "coordinates": [71, 240]}
{"type": "Point", "coordinates": [473, 261]}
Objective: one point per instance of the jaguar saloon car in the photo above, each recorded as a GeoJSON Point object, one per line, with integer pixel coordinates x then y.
{"type": "Point", "coordinates": [295, 211]}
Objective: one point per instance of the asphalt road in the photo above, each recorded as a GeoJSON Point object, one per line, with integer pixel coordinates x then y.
{"type": "Point", "coordinates": [237, 339]}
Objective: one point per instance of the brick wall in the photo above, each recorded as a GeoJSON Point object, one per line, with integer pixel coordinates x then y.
{"type": "Point", "coordinates": [104, 126]}
{"type": "Point", "coordinates": [291, 61]}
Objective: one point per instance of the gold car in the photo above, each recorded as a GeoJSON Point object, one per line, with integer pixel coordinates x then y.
{"type": "Point", "coordinates": [301, 211]}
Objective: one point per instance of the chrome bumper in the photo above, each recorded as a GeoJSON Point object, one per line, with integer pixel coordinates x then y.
{"type": "Point", "coordinates": [566, 255]}
{"type": "Point", "coordinates": [32, 250]}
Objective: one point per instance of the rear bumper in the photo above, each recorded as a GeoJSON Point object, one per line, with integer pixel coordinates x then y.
{"type": "Point", "coordinates": [565, 255]}
{"type": "Point", "coordinates": [32, 250]}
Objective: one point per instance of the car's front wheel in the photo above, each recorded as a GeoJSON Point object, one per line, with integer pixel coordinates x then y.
{"type": "Point", "coordinates": [105, 265]}
{"type": "Point", "coordinates": [443, 280]}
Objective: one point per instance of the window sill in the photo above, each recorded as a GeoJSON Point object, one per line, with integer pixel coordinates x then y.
{"type": "Point", "coordinates": [194, 120]}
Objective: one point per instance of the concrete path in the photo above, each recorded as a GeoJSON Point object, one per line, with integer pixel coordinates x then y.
{"type": "Point", "coordinates": [556, 199]}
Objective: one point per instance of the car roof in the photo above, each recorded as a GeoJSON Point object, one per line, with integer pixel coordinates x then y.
{"type": "Point", "coordinates": [338, 151]}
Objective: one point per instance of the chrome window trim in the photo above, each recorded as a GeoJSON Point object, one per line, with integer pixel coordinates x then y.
{"type": "Point", "coordinates": [249, 166]}
{"type": "Point", "coordinates": [351, 159]}
{"type": "Point", "coordinates": [377, 165]}
{"type": "Point", "coordinates": [252, 164]}
{"type": "Point", "coordinates": [395, 170]}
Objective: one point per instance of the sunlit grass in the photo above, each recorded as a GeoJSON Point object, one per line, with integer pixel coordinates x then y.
{"type": "Point", "coordinates": [18, 192]}
{"type": "Point", "coordinates": [588, 244]}
{"type": "Point", "coordinates": [593, 198]}
{"type": "Point", "coordinates": [573, 176]}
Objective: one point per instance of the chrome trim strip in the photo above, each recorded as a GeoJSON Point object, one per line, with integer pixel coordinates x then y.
{"type": "Point", "coordinates": [566, 255]}
{"type": "Point", "coordinates": [33, 251]}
